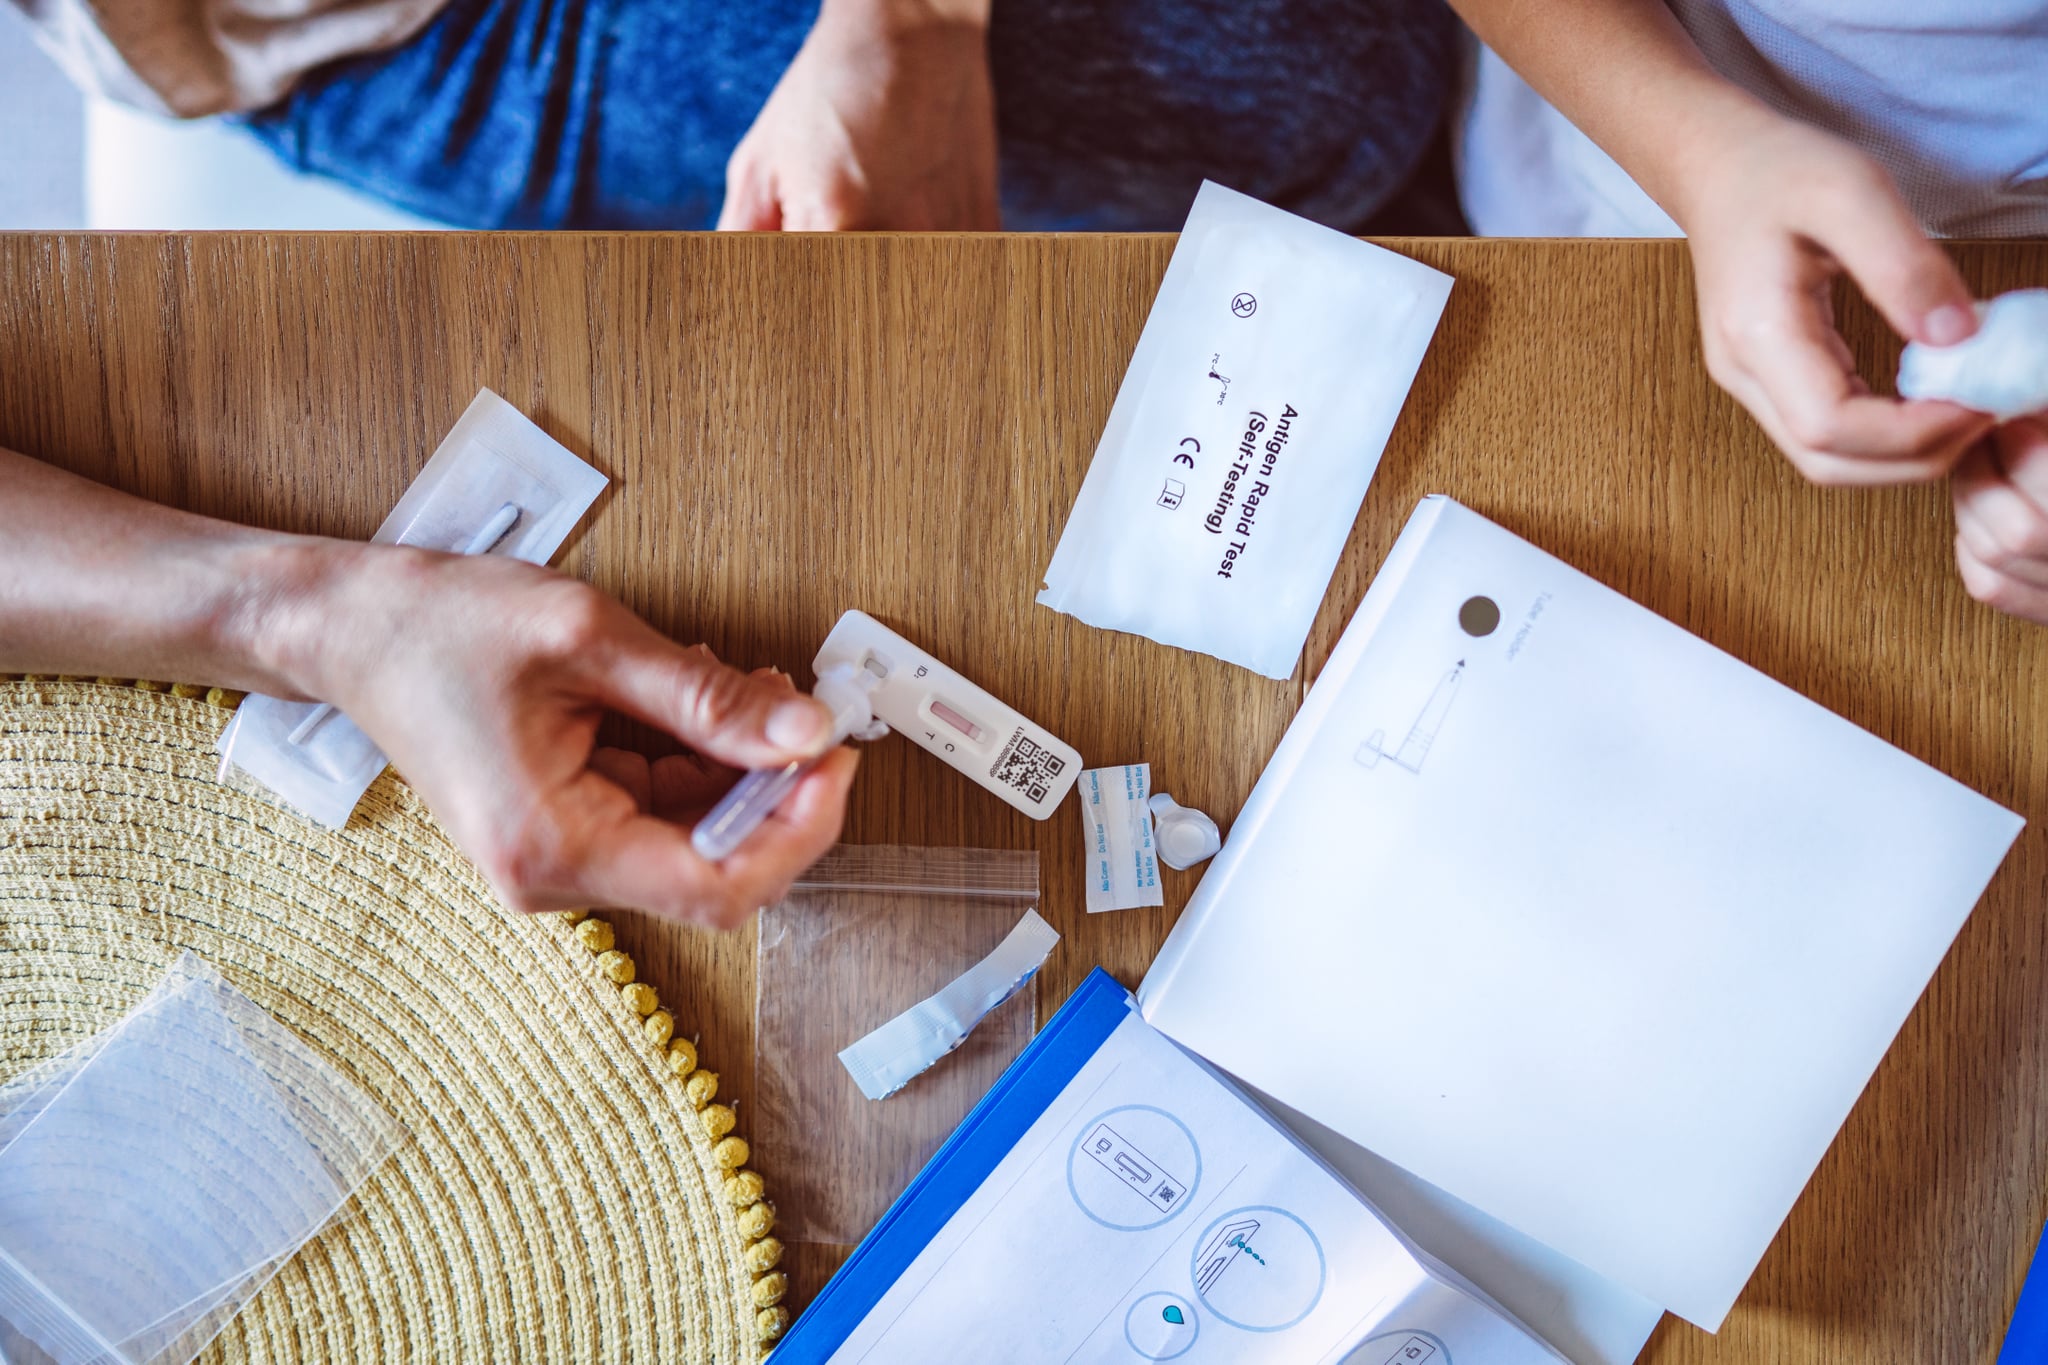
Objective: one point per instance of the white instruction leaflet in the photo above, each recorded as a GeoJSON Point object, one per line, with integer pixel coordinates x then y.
{"type": "Point", "coordinates": [1149, 1212]}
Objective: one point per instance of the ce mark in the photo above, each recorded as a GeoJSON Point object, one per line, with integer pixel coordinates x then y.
{"type": "Point", "coordinates": [1183, 457]}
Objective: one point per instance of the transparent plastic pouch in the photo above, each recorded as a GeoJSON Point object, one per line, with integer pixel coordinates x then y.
{"type": "Point", "coordinates": [865, 935]}
{"type": "Point", "coordinates": [154, 1178]}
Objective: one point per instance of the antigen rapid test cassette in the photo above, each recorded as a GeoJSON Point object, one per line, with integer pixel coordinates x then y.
{"type": "Point", "coordinates": [942, 712]}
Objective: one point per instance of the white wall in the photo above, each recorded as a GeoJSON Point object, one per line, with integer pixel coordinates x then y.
{"type": "Point", "coordinates": [68, 162]}
{"type": "Point", "coordinates": [42, 135]}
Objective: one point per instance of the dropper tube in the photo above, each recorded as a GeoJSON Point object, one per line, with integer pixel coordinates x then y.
{"type": "Point", "coordinates": [757, 794]}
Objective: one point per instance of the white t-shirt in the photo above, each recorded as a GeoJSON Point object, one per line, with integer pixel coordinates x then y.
{"type": "Point", "coordinates": [1950, 95]}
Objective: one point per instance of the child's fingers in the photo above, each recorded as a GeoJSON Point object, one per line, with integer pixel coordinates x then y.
{"type": "Point", "coordinates": [1857, 216]}
{"type": "Point", "coordinates": [2000, 590]}
{"type": "Point", "coordinates": [2003, 528]}
{"type": "Point", "coordinates": [1794, 357]}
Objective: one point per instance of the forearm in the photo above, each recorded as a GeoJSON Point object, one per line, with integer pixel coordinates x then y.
{"type": "Point", "coordinates": [97, 583]}
{"type": "Point", "coordinates": [1630, 78]}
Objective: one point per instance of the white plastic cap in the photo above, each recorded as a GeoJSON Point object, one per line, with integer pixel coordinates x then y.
{"type": "Point", "coordinates": [847, 693]}
{"type": "Point", "coordinates": [1182, 835]}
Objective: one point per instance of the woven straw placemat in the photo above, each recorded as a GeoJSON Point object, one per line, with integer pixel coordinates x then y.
{"type": "Point", "coordinates": [570, 1190]}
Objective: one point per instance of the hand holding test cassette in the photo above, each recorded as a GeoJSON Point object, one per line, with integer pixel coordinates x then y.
{"type": "Point", "coordinates": [873, 680]}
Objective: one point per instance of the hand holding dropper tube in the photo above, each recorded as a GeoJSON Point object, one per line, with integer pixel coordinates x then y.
{"type": "Point", "coordinates": [847, 692]}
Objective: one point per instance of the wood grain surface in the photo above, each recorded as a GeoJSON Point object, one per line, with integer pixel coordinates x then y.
{"type": "Point", "coordinates": [796, 425]}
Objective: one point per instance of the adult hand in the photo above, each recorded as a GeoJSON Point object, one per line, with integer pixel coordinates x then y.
{"type": "Point", "coordinates": [1776, 211]}
{"type": "Point", "coordinates": [484, 679]}
{"type": "Point", "coordinates": [884, 119]}
{"type": "Point", "coordinates": [2001, 498]}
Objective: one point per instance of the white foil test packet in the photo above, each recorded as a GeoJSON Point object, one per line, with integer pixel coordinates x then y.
{"type": "Point", "coordinates": [1116, 826]}
{"type": "Point", "coordinates": [497, 484]}
{"type": "Point", "coordinates": [891, 1056]}
{"type": "Point", "coordinates": [1275, 360]}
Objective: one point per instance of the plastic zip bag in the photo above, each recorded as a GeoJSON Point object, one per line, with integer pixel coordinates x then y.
{"type": "Point", "coordinates": [154, 1178]}
{"type": "Point", "coordinates": [867, 933]}
{"type": "Point", "coordinates": [1255, 410]}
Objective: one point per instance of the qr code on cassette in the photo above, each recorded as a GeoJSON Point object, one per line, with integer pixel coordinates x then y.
{"type": "Point", "coordinates": [1028, 767]}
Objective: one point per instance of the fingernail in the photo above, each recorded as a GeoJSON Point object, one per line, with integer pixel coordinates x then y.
{"type": "Point", "coordinates": [1948, 324]}
{"type": "Point", "coordinates": [798, 723]}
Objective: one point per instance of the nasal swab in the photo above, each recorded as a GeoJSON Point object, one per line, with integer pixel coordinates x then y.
{"type": "Point", "coordinates": [491, 532]}
{"type": "Point", "coordinates": [756, 795]}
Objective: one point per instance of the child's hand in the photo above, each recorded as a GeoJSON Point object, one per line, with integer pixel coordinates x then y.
{"type": "Point", "coordinates": [884, 119]}
{"type": "Point", "coordinates": [1776, 211]}
{"type": "Point", "coordinates": [2001, 497]}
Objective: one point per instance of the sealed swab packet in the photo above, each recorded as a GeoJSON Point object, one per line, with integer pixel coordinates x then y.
{"type": "Point", "coordinates": [889, 1058]}
{"type": "Point", "coordinates": [1264, 387]}
{"type": "Point", "coordinates": [155, 1177]}
{"type": "Point", "coordinates": [497, 485]}
{"type": "Point", "coordinates": [1116, 830]}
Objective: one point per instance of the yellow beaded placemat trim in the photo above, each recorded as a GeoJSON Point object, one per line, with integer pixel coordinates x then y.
{"type": "Point", "coordinates": [743, 1187]}
{"type": "Point", "coordinates": [225, 697]}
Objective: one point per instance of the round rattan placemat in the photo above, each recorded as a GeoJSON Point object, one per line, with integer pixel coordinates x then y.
{"type": "Point", "coordinates": [570, 1190]}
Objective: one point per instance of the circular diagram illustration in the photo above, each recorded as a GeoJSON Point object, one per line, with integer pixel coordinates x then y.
{"type": "Point", "coordinates": [1133, 1168]}
{"type": "Point", "coordinates": [1161, 1326]}
{"type": "Point", "coordinates": [1259, 1268]}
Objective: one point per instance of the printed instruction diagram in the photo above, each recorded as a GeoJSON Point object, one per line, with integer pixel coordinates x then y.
{"type": "Point", "coordinates": [1259, 1268]}
{"type": "Point", "coordinates": [1422, 734]}
{"type": "Point", "coordinates": [1117, 1155]}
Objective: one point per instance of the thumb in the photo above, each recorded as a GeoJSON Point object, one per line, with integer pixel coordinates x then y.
{"type": "Point", "coordinates": [1904, 275]}
{"type": "Point", "coordinates": [740, 719]}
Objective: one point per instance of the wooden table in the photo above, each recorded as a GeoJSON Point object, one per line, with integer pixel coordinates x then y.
{"type": "Point", "coordinates": [795, 425]}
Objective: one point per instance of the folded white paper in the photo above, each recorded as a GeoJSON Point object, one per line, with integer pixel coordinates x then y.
{"type": "Point", "coordinates": [1571, 915]}
{"type": "Point", "coordinates": [1589, 1318]}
